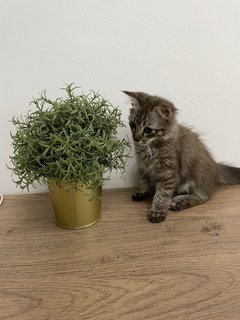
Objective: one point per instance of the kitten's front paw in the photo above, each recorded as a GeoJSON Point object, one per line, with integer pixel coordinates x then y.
{"type": "Point", "coordinates": [139, 196]}
{"type": "Point", "coordinates": [156, 216]}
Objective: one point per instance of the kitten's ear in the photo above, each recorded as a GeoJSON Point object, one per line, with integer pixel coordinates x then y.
{"type": "Point", "coordinates": [166, 111]}
{"type": "Point", "coordinates": [133, 97]}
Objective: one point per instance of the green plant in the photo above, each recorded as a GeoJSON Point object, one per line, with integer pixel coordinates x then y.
{"type": "Point", "coordinates": [72, 139]}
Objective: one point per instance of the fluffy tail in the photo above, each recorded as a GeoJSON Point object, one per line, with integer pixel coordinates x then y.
{"type": "Point", "coordinates": [228, 175]}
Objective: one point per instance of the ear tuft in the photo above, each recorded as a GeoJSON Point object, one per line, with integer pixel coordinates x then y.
{"type": "Point", "coordinates": [133, 97]}
{"type": "Point", "coordinates": [130, 94]}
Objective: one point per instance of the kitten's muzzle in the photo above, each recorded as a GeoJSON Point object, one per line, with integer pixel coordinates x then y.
{"type": "Point", "coordinates": [137, 137]}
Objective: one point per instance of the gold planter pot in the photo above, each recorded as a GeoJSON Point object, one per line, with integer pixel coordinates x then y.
{"type": "Point", "coordinates": [74, 209]}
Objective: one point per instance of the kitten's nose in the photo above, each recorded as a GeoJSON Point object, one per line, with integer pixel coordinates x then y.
{"type": "Point", "coordinates": [137, 137]}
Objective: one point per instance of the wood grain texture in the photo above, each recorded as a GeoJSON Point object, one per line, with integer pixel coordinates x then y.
{"type": "Point", "coordinates": [123, 267]}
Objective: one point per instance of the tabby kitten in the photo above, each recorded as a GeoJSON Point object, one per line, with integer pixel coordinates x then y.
{"type": "Point", "coordinates": [172, 160]}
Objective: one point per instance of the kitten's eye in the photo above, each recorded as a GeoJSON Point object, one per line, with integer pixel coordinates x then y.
{"type": "Point", "coordinates": [132, 125]}
{"type": "Point", "coordinates": [147, 130]}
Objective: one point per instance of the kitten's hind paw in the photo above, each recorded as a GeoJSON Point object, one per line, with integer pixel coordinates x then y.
{"type": "Point", "coordinates": [176, 205]}
{"type": "Point", "coordinates": [139, 196]}
{"type": "Point", "coordinates": [156, 216]}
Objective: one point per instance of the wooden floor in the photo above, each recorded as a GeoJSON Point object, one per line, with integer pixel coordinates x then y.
{"type": "Point", "coordinates": [123, 267]}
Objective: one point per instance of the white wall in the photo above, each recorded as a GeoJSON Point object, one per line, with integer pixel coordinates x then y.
{"type": "Point", "coordinates": [187, 51]}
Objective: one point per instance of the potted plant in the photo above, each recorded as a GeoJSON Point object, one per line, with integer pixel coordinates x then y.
{"type": "Point", "coordinates": [70, 144]}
